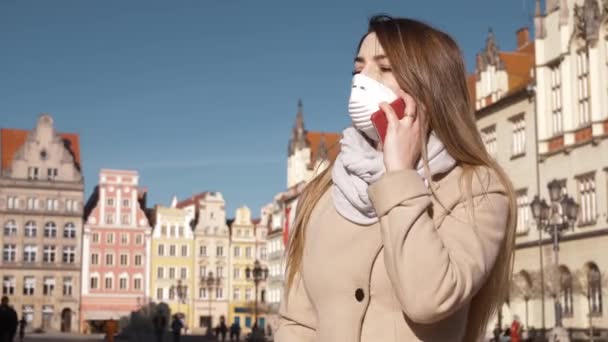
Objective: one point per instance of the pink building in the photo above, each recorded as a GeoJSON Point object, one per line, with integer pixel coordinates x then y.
{"type": "Point", "coordinates": [116, 245]}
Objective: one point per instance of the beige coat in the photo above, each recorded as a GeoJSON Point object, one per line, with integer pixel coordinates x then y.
{"type": "Point", "coordinates": [409, 277]}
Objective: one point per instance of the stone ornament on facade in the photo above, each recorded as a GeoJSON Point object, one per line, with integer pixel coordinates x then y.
{"type": "Point", "coordinates": [489, 56]}
{"type": "Point", "coordinates": [587, 21]}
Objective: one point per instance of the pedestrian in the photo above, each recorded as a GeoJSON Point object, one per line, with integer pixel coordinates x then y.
{"type": "Point", "coordinates": [235, 332]}
{"type": "Point", "coordinates": [176, 328]}
{"type": "Point", "coordinates": [506, 336]}
{"type": "Point", "coordinates": [111, 328]}
{"type": "Point", "coordinates": [160, 323]}
{"type": "Point", "coordinates": [8, 321]}
{"type": "Point", "coordinates": [496, 333]}
{"type": "Point", "coordinates": [222, 329]}
{"type": "Point", "coordinates": [22, 325]}
{"type": "Point", "coordinates": [515, 330]}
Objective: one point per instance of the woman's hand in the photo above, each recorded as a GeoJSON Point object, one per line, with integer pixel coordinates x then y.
{"type": "Point", "coordinates": [402, 145]}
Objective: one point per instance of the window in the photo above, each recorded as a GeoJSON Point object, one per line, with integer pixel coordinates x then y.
{"type": "Point", "coordinates": [523, 211]}
{"type": "Point", "coordinates": [10, 228]}
{"type": "Point", "coordinates": [30, 229]}
{"type": "Point", "coordinates": [49, 204]}
{"type": "Point", "coordinates": [160, 273]}
{"type": "Point", "coordinates": [183, 272]}
{"type": "Point", "coordinates": [29, 286]}
{"type": "Point", "coordinates": [159, 294]}
{"type": "Point", "coordinates": [203, 271]}
{"type": "Point", "coordinates": [171, 272]}
{"type": "Point", "coordinates": [110, 219]}
{"type": "Point", "coordinates": [110, 238]}
{"type": "Point", "coordinates": [184, 250]}
{"type": "Point", "coordinates": [582, 68]}
{"type": "Point", "coordinates": [219, 293]}
{"type": "Point", "coordinates": [71, 205]}
{"type": "Point", "coordinates": [594, 281]}
{"type": "Point", "coordinates": [161, 250]}
{"type": "Point", "coordinates": [95, 238]}
{"type": "Point", "coordinates": [137, 283]}
{"type": "Point", "coordinates": [109, 283]}
{"type": "Point", "coordinates": [110, 202]}
{"type": "Point", "coordinates": [237, 252]}
{"type": "Point", "coordinates": [122, 283]}
{"type": "Point", "coordinates": [263, 254]}
{"type": "Point", "coordinates": [51, 174]}
{"type": "Point", "coordinates": [50, 230]}
{"type": "Point", "coordinates": [180, 231]}
{"type": "Point", "coordinates": [171, 293]}
{"type": "Point", "coordinates": [126, 203]}
{"type": "Point", "coordinates": [124, 260]}
{"type": "Point", "coordinates": [248, 252]}
{"type": "Point", "coordinates": [30, 204]}
{"type": "Point", "coordinates": [29, 253]}
{"type": "Point", "coordinates": [28, 313]}
{"type": "Point", "coordinates": [236, 295]}
{"type": "Point", "coordinates": [94, 282]}
{"type": "Point", "coordinates": [172, 250]}
{"type": "Point", "coordinates": [518, 143]}
{"type": "Point", "coordinates": [203, 250]}
{"type": "Point", "coordinates": [247, 294]}
{"type": "Point", "coordinates": [125, 219]}
{"type": "Point", "coordinates": [587, 199]}
{"type": "Point", "coordinates": [203, 292]}
{"type": "Point", "coordinates": [219, 272]}
{"type": "Point", "coordinates": [32, 172]}
{"type": "Point", "coordinates": [566, 280]}
{"type": "Point", "coordinates": [488, 135]}
{"type": "Point", "coordinates": [69, 231]}
{"type": "Point", "coordinates": [139, 239]}
{"type": "Point", "coordinates": [48, 286]}
{"type": "Point", "coordinates": [8, 285]}
{"type": "Point", "coordinates": [124, 239]}
{"type": "Point", "coordinates": [109, 259]}
{"type": "Point", "coordinates": [13, 202]}
{"type": "Point", "coordinates": [220, 251]}
{"type": "Point", "coordinates": [236, 273]}
{"type": "Point", "coordinates": [67, 286]}
{"type": "Point", "coordinates": [138, 260]}
{"type": "Point", "coordinates": [48, 255]}
{"type": "Point", "coordinates": [556, 100]}
{"type": "Point", "coordinates": [163, 230]}
{"type": "Point", "coordinates": [69, 254]}
{"type": "Point", "coordinates": [172, 230]}
{"type": "Point", "coordinates": [9, 253]}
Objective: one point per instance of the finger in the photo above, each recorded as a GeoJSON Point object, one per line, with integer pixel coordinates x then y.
{"type": "Point", "coordinates": [391, 117]}
{"type": "Point", "coordinates": [410, 103]}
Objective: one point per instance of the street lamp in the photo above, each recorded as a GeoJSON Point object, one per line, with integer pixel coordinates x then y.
{"type": "Point", "coordinates": [257, 275]}
{"type": "Point", "coordinates": [181, 291]}
{"type": "Point", "coordinates": [209, 282]}
{"type": "Point", "coordinates": [554, 219]}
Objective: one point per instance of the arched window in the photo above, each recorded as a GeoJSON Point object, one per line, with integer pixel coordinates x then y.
{"type": "Point", "coordinates": [69, 230]}
{"type": "Point", "coordinates": [50, 230]}
{"type": "Point", "coordinates": [10, 228]}
{"type": "Point", "coordinates": [30, 229]}
{"type": "Point", "coordinates": [594, 281]}
{"type": "Point", "coordinates": [566, 287]}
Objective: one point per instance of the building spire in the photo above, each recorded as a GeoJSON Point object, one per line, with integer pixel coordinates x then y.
{"type": "Point", "coordinates": [298, 134]}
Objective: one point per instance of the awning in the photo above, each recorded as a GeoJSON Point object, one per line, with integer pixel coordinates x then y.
{"type": "Point", "coordinates": [104, 315]}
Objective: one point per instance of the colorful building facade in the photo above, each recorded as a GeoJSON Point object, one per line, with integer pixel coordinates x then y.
{"type": "Point", "coordinates": [172, 261]}
{"type": "Point", "coordinates": [117, 243]}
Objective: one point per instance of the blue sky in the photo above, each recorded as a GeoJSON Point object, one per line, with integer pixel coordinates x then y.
{"type": "Point", "coordinates": [201, 94]}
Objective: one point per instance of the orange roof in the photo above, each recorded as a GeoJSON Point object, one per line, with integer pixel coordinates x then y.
{"type": "Point", "coordinates": [471, 81]}
{"type": "Point", "coordinates": [518, 65]}
{"type": "Point", "coordinates": [13, 139]}
{"type": "Point", "coordinates": [190, 201]}
{"type": "Point", "coordinates": [332, 142]}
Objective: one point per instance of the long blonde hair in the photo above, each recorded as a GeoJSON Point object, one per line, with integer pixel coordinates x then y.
{"type": "Point", "coordinates": [428, 65]}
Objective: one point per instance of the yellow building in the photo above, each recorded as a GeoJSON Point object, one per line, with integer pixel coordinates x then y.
{"type": "Point", "coordinates": [242, 255]}
{"type": "Point", "coordinates": [172, 261]}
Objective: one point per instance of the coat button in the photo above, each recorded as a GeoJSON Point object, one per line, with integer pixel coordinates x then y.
{"type": "Point", "coordinates": [359, 295]}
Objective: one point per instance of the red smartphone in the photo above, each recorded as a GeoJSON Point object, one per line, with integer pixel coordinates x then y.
{"type": "Point", "coordinates": [379, 118]}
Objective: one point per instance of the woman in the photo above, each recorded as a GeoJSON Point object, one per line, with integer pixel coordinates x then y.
{"type": "Point", "coordinates": [410, 240]}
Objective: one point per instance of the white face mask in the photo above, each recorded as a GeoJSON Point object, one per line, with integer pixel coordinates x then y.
{"type": "Point", "coordinates": [366, 94]}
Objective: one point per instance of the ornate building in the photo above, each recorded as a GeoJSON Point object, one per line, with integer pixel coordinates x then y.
{"type": "Point", "coordinates": [116, 241]}
{"type": "Point", "coordinates": [211, 256]}
{"type": "Point", "coordinates": [172, 261]}
{"type": "Point", "coordinates": [545, 120]}
{"type": "Point", "coordinates": [41, 197]}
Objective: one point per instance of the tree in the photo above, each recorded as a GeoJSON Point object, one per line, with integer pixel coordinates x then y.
{"type": "Point", "coordinates": [525, 285]}
{"type": "Point", "coordinates": [591, 283]}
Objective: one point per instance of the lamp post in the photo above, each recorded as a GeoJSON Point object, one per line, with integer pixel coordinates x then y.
{"type": "Point", "coordinates": [554, 219]}
{"type": "Point", "coordinates": [181, 291]}
{"type": "Point", "coordinates": [209, 282]}
{"type": "Point", "coordinates": [257, 275]}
